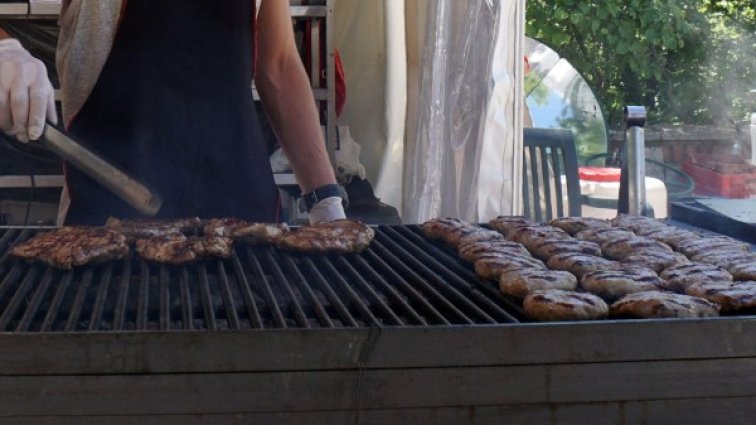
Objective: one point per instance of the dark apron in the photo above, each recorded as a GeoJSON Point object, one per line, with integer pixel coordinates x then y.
{"type": "Point", "coordinates": [173, 107]}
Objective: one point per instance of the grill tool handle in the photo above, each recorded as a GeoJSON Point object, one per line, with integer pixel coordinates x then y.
{"type": "Point", "coordinates": [119, 183]}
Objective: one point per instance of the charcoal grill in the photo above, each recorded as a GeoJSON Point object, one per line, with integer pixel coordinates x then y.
{"type": "Point", "coordinates": [402, 333]}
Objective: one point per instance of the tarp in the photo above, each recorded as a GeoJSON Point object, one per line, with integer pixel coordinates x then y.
{"type": "Point", "coordinates": [463, 101]}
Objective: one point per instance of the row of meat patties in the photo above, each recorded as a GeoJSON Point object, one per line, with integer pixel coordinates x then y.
{"type": "Point", "coordinates": [577, 268]}
{"type": "Point", "coordinates": [186, 240]}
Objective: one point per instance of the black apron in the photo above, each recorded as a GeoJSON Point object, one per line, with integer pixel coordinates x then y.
{"type": "Point", "coordinates": [173, 107]}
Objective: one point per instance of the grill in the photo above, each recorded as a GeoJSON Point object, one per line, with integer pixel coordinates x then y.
{"type": "Point", "coordinates": [402, 333]}
{"type": "Point", "coordinates": [401, 280]}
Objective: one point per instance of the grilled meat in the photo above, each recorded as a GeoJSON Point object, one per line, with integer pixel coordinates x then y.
{"type": "Point", "coordinates": [69, 247]}
{"type": "Point", "coordinates": [141, 228]}
{"type": "Point", "coordinates": [240, 230]}
{"type": "Point", "coordinates": [340, 236]}
{"type": "Point", "coordinates": [179, 249]}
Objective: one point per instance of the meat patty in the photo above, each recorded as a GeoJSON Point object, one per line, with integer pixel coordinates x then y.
{"type": "Point", "coordinates": [340, 236]}
{"type": "Point", "coordinates": [556, 304]}
{"type": "Point", "coordinates": [179, 249]}
{"type": "Point", "coordinates": [656, 304]}
{"type": "Point", "coordinates": [732, 296]}
{"type": "Point", "coordinates": [68, 247]}
{"type": "Point", "coordinates": [142, 228]}
{"type": "Point", "coordinates": [573, 225]}
{"type": "Point", "coordinates": [240, 230]}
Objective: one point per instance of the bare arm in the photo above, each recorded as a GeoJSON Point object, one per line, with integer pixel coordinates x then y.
{"type": "Point", "coordinates": [287, 97]}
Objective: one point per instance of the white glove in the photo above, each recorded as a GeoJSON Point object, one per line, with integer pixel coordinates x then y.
{"type": "Point", "coordinates": [27, 97]}
{"type": "Point", "coordinates": [329, 209]}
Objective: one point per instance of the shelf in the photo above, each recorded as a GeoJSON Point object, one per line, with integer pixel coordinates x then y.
{"type": "Point", "coordinates": [50, 10]}
{"type": "Point", "coordinates": [24, 181]}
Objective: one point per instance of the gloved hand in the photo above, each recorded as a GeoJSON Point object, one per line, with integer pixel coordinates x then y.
{"type": "Point", "coordinates": [27, 97]}
{"type": "Point", "coordinates": [329, 209]}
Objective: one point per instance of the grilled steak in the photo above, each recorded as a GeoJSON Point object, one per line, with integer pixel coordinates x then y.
{"type": "Point", "coordinates": [179, 249]}
{"type": "Point", "coordinates": [141, 228]}
{"type": "Point", "coordinates": [240, 230]}
{"type": "Point", "coordinates": [340, 236]}
{"type": "Point", "coordinates": [69, 247]}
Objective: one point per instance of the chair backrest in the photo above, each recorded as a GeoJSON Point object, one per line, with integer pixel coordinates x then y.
{"type": "Point", "coordinates": [549, 154]}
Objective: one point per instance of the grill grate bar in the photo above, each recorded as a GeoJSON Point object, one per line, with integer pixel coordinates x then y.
{"type": "Point", "coordinates": [143, 296]}
{"type": "Point", "coordinates": [102, 293]}
{"type": "Point", "coordinates": [78, 304]}
{"type": "Point", "coordinates": [368, 290]}
{"type": "Point", "coordinates": [23, 235]}
{"type": "Point", "coordinates": [454, 268]}
{"type": "Point", "coordinates": [33, 308]}
{"type": "Point", "coordinates": [207, 301]}
{"type": "Point", "coordinates": [119, 315]}
{"type": "Point", "coordinates": [346, 289]}
{"type": "Point", "coordinates": [396, 298]}
{"type": "Point", "coordinates": [270, 298]}
{"type": "Point", "coordinates": [278, 275]}
{"type": "Point", "coordinates": [443, 283]}
{"type": "Point", "coordinates": [329, 293]}
{"type": "Point", "coordinates": [10, 279]}
{"type": "Point", "coordinates": [416, 296]}
{"type": "Point", "coordinates": [228, 302]}
{"type": "Point", "coordinates": [165, 299]}
{"type": "Point", "coordinates": [307, 291]}
{"type": "Point", "coordinates": [246, 292]}
{"type": "Point", "coordinates": [53, 311]}
{"type": "Point", "coordinates": [187, 314]}
{"type": "Point", "coordinates": [420, 282]}
{"type": "Point", "coordinates": [18, 297]}
{"type": "Point", "coordinates": [458, 266]}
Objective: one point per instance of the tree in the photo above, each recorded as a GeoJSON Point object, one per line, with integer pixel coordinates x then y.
{"type": "Point", "coordinates": [689, 61]}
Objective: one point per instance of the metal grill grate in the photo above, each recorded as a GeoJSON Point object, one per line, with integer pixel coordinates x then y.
{"type": "Point", "coordinates": [401, 280]}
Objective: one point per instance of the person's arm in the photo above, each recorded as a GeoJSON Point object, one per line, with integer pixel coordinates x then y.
{"type": "Point", "coordinates": [288, 101]}
{"type": "Point", "coordinates": [287, 97]}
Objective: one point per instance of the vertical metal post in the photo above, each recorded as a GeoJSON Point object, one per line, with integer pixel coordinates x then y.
{"type": "Point", "coordinates": [632, 197]}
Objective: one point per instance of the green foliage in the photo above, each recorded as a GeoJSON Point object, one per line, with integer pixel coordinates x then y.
{"type": "Point", "coordinates": [688, 61]}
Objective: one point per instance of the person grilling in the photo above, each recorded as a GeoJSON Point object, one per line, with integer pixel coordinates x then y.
{"type": "Point", "coordinates": [162, 89]}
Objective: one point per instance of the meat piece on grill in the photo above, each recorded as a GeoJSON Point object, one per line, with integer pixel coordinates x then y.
{"type": "Point", "coordinates": [240, 230]}
{"type": "Point", "coordinates": [612, 285]}
{"type": "Point", "coordinates": [142, 228]}
{"type": "Point", "coordinates": [529, 236]}
{"type": "Point", "coordinates": [179, 249]}
{"type": "Point", "coordinates": [556, 304]}
{"type": "Point", "coordinates": [656, 304]}
{"type": "Point", "coordinates": [340, 236]}
{"type": "Point", "coordinates": [732, 296]}
{"type": "Point", "coordinates": [580, 264]}
{"type": "Point", "coordinates": [678, 278]}
{"type": "Point", "coordinates": [669, 235]}
{"type": "Point", "coordinates": [491, 266]}
{"type": "Point", "coordinates": [69, 247]}
{"type": "Point", "coordinates": [656, 260]}
{"type": "Point", "coordinates": [453, 231]}
{"type": "Point", "coordinates": [603, 235]}
{"type": "Point", "coordinates": [701, 246]}
{"type": "Point", "coordinates": [636, 223]}
{"type": "Point", "coordinates": [619, 249]}
{"type": "Point", "coordinates": [548, 247]}
{"type": "Point", "coordinates": [521, 282]}
{"type": "Point", "coordinates": [573, 225]}
{"type": "Point", "coordinates": [505, 224]}
{"type": "Point", "coordinates": [472, 251]}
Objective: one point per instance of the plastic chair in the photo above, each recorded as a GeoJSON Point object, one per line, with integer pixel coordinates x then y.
{"type": "Point", "coordinates": [549, 154]}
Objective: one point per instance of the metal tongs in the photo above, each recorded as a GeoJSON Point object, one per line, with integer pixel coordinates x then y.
{"type": "Point", "coordinates": [131, 191]}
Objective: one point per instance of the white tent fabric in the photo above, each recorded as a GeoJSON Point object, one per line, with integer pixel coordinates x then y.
{"type": "Point", "coordinates": [463, 97]}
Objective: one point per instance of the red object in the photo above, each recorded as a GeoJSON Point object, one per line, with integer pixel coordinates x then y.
{"type": "Point", "coordinates": [599, 174]}
{"type": "Point", "coordinates": [712, 183]}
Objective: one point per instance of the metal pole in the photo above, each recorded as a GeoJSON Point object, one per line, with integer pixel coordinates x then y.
{"type": "Point", "coordinates": [633, 182]}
